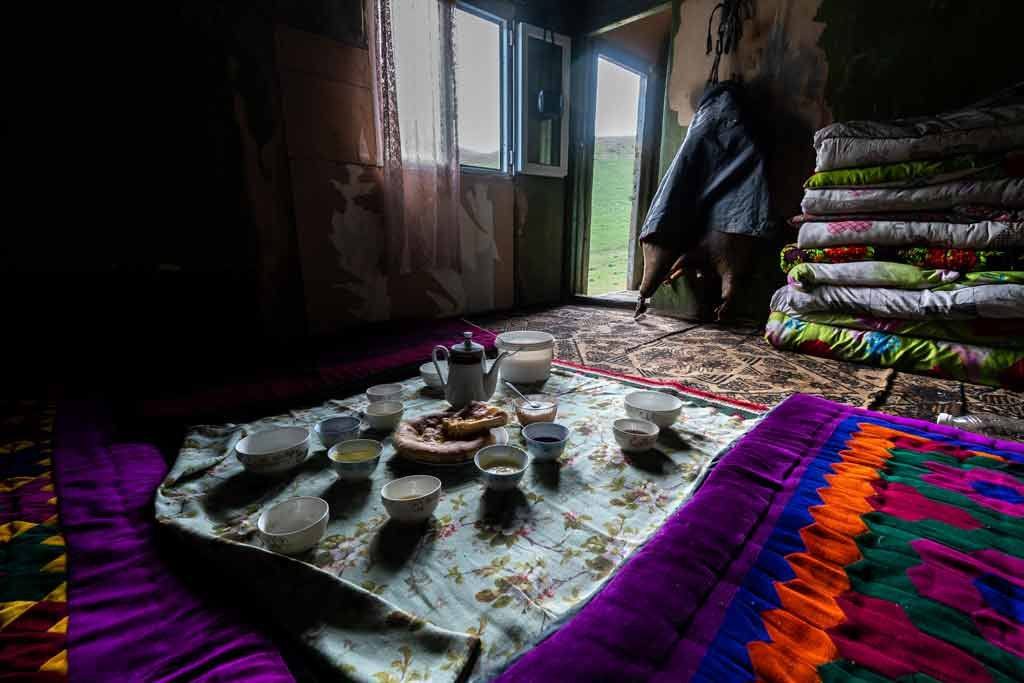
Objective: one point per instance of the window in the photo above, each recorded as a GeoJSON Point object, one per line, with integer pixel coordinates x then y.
{"type": "Point", "coordinates": [542, 141]}
{"type": "Point", "coordinates": [480, 87]}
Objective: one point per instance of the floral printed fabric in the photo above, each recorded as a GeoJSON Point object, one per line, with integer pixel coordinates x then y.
{"type": "Point", "coordinates": [1005, 192]}
{"type": "Point", "coordinates": [871, 143]}
{"type": "Point", "coordinates": [982, 235]}
{"type": "Point", "coordinates": [983, 301]}
{"type": "Point", "coordinates": [895, 275]}
{"type": "Point", "coordinates": [486, 577]}
{"type": "Point", "coordinates": [980, 364]}
{"type": "Point", "coordinates": [962, 260]}
{"type": "Point", "coordinates": [917, 173]}
{"type": "Point", "coordinates": [1003, 333]}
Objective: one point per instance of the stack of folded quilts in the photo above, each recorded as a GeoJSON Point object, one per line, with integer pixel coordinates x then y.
{"type": "Point", "coordinates": [910, 252]}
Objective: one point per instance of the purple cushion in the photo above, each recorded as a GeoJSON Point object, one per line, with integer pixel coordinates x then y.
{"type": "Point", "coordinates": [130, 617]}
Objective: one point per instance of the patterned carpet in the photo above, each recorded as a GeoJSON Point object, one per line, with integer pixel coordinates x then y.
{"type": "Point", "coordinates": [737, 363]}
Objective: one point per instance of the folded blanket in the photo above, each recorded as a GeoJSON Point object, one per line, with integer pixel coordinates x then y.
{"type": "Point", "coordinates": [963, 260]}
{"type": "Point", "coordinates": [980, 364]}
{"type": "Point", "coordinates": [984, 301]}
{"type": "Point", "coordinates": [894, 275]}
{"type": "Point", "coordinates": [870, 274]}
{"type": "Point", "coordinates": [983, 235]}
{"type": "Point", "coordinates": [969, 131]}
{"type": "Point", "coordinates": [1004, 334]}
{"type": "Point", "coordinates": [1004, 192]}
{"type": "Point", "coordinates": [918, 173]}
{"type": "Point", "coordinates": [961, 213]}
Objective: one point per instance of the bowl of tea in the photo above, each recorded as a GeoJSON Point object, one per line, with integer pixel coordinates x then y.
{"type": "Point", "coordinates": [635, 435]}
{"type": "Point", "coordinates": [501, 466]}
{"type": "Point", "coordinates": [355, 459]}
{"type": "Point", "coordinates": [545, 440]}
{"type": "Point", "coordinates": [411, 499]}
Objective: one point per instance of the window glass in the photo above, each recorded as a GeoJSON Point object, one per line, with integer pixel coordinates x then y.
{"type": "Point", "coordinates": [478, 86]}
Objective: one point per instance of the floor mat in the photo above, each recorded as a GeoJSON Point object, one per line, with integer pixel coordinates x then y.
{"type": "Point", "coordinates": [734, 362]}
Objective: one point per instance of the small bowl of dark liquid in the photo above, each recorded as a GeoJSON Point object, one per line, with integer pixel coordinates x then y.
{"type": "Point", "coordinates": [545, 441]}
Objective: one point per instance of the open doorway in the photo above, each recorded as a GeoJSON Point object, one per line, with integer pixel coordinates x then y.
{"type": "Point", "coordinates": [621, 93]}
{"type": "Point", "coordinates": [613, 208]}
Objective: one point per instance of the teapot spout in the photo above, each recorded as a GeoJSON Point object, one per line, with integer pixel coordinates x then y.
{"type": "Point", "coordinates": [491, 376]}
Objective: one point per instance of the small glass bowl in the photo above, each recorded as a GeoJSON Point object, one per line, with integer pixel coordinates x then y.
{"type": "Point", "coordinates": [527, 415]}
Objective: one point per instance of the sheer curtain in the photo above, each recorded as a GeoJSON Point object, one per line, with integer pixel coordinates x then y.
{"type": "Point", "coordinates": [415, 57]}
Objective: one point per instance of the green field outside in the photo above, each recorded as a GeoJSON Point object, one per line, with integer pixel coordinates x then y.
{"type": "Point", "coordinates": [610, 206]}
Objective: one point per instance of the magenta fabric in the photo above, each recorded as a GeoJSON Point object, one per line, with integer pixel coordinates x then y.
{"type": "Point", "coordinates": [130, 618]}
{"type": "Point", "coordinates": [362, 358]}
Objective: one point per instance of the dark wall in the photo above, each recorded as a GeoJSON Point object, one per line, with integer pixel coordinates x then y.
{"type": "Point", "coordinates": [133, 249]}
{"type": "Point", "coordinates": [810, 63]}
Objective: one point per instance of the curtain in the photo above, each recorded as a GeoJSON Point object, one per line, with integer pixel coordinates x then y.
{"type": "Point", "coordinates": [415, 56]}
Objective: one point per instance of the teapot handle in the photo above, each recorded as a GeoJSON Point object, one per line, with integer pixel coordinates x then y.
{"type": "Point", "coordinates": [434, 357]}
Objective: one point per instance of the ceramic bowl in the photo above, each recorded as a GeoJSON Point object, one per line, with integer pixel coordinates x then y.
{"type": "Point", "coordinates": [654, 406]}
{"type": "Point", "coordinates": [635, 435]}
{"type": "Point", "coordinates": [294, 525]}
{"type": "Point", "coordinates": [429, 375]}
{"type": "Point", "coordinates": [384, 392]}
{"type": "Point", "coordinates": [356, 470]}
{"type": "Point", "coordinates": [546, 410]}
{"type": "Point", "coordinates": [273, 450]}
{"type": "Point", "coordinates": [384, 416]}
{"type": "Point", "coordinates": [545, 441]}
{"type": "Point", "coordinates": [490, 456]}
{"type": "Point", "coordinates": [412, 498]}
{"type": "Point", "coordinates": [337, 429]}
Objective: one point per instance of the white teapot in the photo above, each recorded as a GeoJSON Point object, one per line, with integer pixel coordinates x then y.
{"type": "Point", "coordinates": [468, 378]}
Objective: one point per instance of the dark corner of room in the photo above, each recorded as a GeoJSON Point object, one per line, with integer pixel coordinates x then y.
{"type": "Point", "coordinates": [531, 340]}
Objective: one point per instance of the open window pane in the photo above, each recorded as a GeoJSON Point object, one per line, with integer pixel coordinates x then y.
{"type": "Point", "coordinates": [478, 83]}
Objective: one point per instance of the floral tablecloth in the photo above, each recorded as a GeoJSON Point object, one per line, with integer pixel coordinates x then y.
{"type": "Point", "coordinates": [479, 583]}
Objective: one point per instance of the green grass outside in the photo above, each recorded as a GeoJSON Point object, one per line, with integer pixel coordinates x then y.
{"type": "Point", "coordinates": [610, 206]}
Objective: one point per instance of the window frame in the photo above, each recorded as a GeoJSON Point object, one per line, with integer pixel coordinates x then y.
{"type": "Point", "coordinates": [524, 32]}
{"type": "Point", "coordinates": [505, 59]}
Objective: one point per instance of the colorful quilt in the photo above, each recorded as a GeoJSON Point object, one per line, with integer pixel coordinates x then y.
{"type": "Point", "coordinates": [917, 173]}
{"type": "Point", "coordinates": [962, 213]}
{"type": "Point", "coordinates": [968, 131]}
{"type": "Point", "coordinates": [971, 363]}
{"type": "Point", "coordinates": [894, 275]}
{"type": "Point", "coordinates": [1005, 192]}
{"type": "Point", "coordinates": [965, 303]}
{"type": "Point", "coordinates": [964, 260]}
{"type": "Point", "coordinates": [33, 574]}
{"type": "Point", "coordinates": [982, 235]}
{"type": "Point", "coordinates": [1008, 334]}
{"type": "Point", "coordinates": [830, 544]}
{"type": "Point", "coordinates": [487, 576]}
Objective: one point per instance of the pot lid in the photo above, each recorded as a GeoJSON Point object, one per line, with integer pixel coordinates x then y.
{"type": "Point", "coordinates": [467, 347]}
{"type": "Point", "coordinates": [525, 340]}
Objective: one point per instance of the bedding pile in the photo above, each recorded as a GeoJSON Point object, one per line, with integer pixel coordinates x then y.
{"type": "Point", "coordinates": [910, 247]}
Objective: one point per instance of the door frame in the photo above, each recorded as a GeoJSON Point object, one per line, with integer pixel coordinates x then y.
{"type": "Point", "coordinates": [649, 121]}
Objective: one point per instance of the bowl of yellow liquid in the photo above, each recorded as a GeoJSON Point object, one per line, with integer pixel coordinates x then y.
{"type": "Point", "coordinates": [356, 459]}
{"type": "Point", "coordinates": [501, 467]}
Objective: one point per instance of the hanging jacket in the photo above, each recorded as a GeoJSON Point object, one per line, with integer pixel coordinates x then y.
{"type": "Point", "coordinates": [717, 180]}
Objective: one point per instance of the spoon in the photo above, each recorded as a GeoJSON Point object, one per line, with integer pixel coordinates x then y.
{"type": "Point", "coordinates": [532, 404]}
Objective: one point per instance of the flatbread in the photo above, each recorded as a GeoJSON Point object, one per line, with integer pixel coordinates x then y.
{"type": "Point", "coordinates": [473, 420]}
{"type": "Point", "coordinates": [424, 439]}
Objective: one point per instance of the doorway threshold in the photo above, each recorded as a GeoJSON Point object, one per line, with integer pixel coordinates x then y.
{"type": "Point", "coordinates": [625, 298]}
